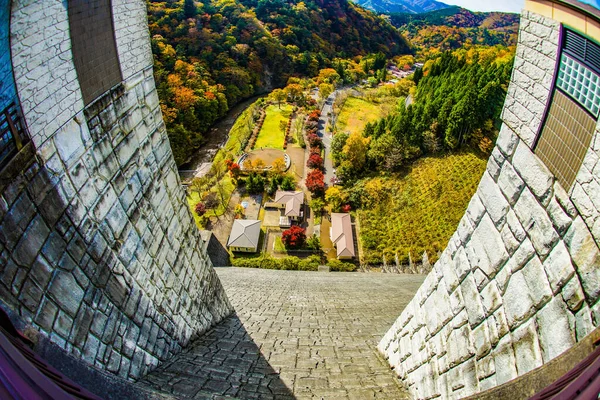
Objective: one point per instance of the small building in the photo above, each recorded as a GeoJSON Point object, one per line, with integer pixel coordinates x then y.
{"type": "Point", "coordinates": [341, 235]}
{"type": "Point", "coordinates": [291, 205]}
{"type": "Point", "coordinates": [245, 235]}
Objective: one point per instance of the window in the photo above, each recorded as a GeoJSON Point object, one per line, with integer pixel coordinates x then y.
{"type": "Point", "coordinates": [94, 47]}
{"type": "Point", "coordinates": [572, 114]}
{"type": "Point", "coordinates": [580, 82]}
{"type": "Point", "coordinates": [13, 134]}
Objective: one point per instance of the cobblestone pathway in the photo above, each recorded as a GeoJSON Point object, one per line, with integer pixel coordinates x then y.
{"type": "Point", "coordinates": [294, 335]}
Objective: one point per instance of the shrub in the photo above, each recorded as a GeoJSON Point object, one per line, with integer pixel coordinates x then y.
{"type": "Point", "coordinates": [200, 209]}
{"type": "Point", "coordinates": [294, 238]}
{"type": "Point", "coordinates": [315, 161]}
{"type": "Point", "coordinates": [340, 266]}
{"type": "Point", "coordinates": [314, 140]}
{"type": "Point", "coordinates": [255, 184]}
{"type": "Point", "coordinates": [310, 264]}
{"type": "Point", "coordinates": [315, 182]}
{"type": "Point", "coordinates": [314, 115]}
{"type": "Point", "coordinates": [288, 183]}
{"type": "Point", "coordinates": [314, 243]}
{"type": "Point", "coordinates": [286, 263]}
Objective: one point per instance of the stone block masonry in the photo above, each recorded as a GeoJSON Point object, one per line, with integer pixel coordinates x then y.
{"type": "Point", "coordinates": [519, 281]}
{"type": "Point", "coordinates": [98, 249]}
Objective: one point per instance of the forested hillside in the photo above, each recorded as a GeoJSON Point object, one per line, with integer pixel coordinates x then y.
{"type": "Point", "coordinates": [211, 54]}
{"type": "Point", "coordinates": [457, 102]}
{"type": "Point", "coordinates": [453, 27]}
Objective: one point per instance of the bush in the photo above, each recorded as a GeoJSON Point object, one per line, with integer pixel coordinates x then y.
{"type": "Point", "coordinates": [310, 264]}
{"type": "Point", "coordinates": [314, 243]}
{"type": "Point", "coordinates": [294, 238]}
{"type": "Point", "coordinates": [200, 209]}
{"type": "Point", "coordinates": [255, 184]}
{"type": "Point", "coordinates": [288, 183]}
{"type": "Point", "coordinates": [314, 140]}
{"type": "Point", "coordinates": [315, 161]}
{"type": "Point", "coordinates": [315, 182]}
{"type": "Point", "coordinates": [287, 263]}
{"type": "Point", "coordinates": [340, 266]}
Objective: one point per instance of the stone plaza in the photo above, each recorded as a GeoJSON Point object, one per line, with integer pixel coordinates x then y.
{"type": "Point", "coordinates": [294, 335]}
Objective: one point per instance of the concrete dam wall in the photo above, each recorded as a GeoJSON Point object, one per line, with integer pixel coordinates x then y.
{"type": "Point", "coordinates": [519, 281]}
{"type": "Point", "coordinates": [98, 248]}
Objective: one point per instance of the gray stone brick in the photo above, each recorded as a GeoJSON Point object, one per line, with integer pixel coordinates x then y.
{"type": "Point", "coordinates": [572, 294]}
{"type": "Point", "coordinates": [510, 183]}
{"type": "Point", "coordinates": [493, 200]}
{"type": "Point", "coordinates": [487, 247]}
{"type": "Point", "coordinates": [470, 294]}
{"type": "Point", "coordinates": [41, 271]}
{"type": "Point", "coordinates": [554, 329]}
{"type": "Point", "coordinates": [535, 174]}
{"type": "Point", "coordinates": [558, 267]}
{"type": "Point", "coordinates": [518, 303]}
{"type": "Point", "coordinates": [31, 243]}
{"type": "Point", "coordinates": [586, 257]}
{"type": "Point", "coordinates": [528, 354]}
{"type": "Point", "coordinates": [30, 295]}
{"type": "Point", "coordinates": [46, 315]}
{"type": "Point", "coordinates": [536, 223]}
{"type": "Point", "coordinates": [66, 292]}
{"type": "Point", "coordinates": [505, 361]}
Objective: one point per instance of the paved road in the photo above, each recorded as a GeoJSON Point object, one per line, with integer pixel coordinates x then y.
{"type": "Point", "coordinates": [294, 335]}
{"type": "Point", "coordinates": [327, 136]}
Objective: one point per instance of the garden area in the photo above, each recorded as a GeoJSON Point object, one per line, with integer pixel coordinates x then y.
{"type": "Point", "coordinates": [418, 211]}
{"type": "Point", "coordinates": [273, 131]}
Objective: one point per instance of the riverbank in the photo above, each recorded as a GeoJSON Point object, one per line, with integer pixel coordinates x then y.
{"type": "Point", "coordinates": [216, 139]}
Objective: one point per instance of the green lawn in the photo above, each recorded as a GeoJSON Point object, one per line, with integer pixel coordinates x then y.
{"type": "Point", "coordinates": [357, 112]}
{"type": "Point", "coordinates": [271, 135]}
{"type": "Point", "coordinates": [419, 211]}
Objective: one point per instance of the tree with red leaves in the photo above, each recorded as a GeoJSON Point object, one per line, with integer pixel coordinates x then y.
{"type": "Point", "coordinates": [314, 115]}
{"type": "Point", "coordinates": [315, 161]}
{"type": "Point", "coordinates": [294, 238]}
{"type": "Point", "coordinates": [315, 182]}
{"type": "Point", "coordinates": [200, 209]}
{"type": "Point", "coordinates": [314, 140]}
{"type": "Point", "coordinates": [234, 170]}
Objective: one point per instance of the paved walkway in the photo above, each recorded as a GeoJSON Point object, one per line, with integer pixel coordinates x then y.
{"type": "Point", "coordinates": [294, 335]}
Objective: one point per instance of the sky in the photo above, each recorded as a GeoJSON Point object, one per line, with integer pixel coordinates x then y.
{"type": "Point", "coordinates": [497, 5]}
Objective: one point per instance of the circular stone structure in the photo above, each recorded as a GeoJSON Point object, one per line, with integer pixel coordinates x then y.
{"type": "Point", "coordinates": [267, 155]}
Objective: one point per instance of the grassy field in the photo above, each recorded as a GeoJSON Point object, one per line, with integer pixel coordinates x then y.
{"type": "Point", "coordinates": [419, 211]}
{"type": "Point", "coordinates": [271, 135]}
{"type": "Point", "coordinates": [357, 112]}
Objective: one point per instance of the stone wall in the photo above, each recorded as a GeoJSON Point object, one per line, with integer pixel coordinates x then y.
{"type": "Point", "coordinates": [99, 251]}
{"type": "Point", "coordinates": [519, 281]}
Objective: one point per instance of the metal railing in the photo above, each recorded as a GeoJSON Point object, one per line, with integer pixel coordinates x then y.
{"type": "Point", "coordinates": [13, 135]}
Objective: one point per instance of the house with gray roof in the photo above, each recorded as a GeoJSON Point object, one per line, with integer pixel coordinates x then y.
{"type": "Point", "coordinates": [245, 235]}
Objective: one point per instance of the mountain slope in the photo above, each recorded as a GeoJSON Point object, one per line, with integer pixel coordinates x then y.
{"type": "Point", "coordinates": [401, 6]}
{"type": "Point", "coordinates": [211, 54]}
{"type": "Point", "coordinates": [453, 27]}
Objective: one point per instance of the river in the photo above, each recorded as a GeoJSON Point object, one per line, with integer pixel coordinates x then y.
{"type": "Point", "coordinates": [216, 138]}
